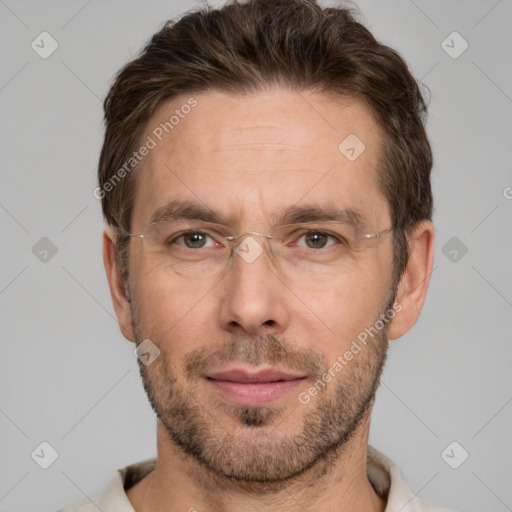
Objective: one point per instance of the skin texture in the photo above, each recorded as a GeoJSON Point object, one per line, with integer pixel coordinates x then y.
{"type": "Point", "coordinates": [248, 157]}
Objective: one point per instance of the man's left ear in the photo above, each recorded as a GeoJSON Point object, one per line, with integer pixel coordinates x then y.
{"type": "Point", "coordinates": [413, 286]}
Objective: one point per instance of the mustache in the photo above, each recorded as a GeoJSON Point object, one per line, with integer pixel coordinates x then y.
{"type": "Point", "coordinates": [265, 350]}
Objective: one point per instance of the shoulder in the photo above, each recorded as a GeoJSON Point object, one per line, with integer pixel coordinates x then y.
{"type": "Point", "coordinates": [418, 505]}
{"type": "Point", "coordinates": [81, 506]}
{"type": "Point", "coordinates": [389, 482]}
{"type": "Point", "coordinates": [114, 498]}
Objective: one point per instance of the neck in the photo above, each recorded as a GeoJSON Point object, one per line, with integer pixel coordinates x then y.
{"type": "Point", "coordinates": [337, 481]}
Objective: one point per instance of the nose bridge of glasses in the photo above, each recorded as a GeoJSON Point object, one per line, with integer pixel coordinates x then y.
{"type": "Point", "coordinates": [245, 233]}
{"type": "Point", "coordinates": [251, 250]}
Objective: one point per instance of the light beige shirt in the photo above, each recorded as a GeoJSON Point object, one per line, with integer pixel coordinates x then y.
{"type": "Point", "coordinates": [385, 477]}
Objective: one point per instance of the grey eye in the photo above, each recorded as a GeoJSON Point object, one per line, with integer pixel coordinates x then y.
{"type": "Point", "coordinates": [193, 240]}
{"type": "Point", "coordinates": [316, 239]}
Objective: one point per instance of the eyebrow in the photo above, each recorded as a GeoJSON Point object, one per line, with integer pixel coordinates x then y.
{"type": "Point", "coordinates": [182, 209]}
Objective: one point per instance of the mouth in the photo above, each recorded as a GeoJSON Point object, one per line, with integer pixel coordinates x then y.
{"type": "Point", "coordinates": [258, 388]}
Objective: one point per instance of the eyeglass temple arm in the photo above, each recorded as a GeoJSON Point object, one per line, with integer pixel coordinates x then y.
{"type": "Point", "coordinates": [374, 236]}
{"type": "Point", "coordinates": [127, 233]}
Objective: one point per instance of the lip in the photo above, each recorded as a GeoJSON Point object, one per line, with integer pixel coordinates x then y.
{"type": "Point", "coordinates": [257, 388]}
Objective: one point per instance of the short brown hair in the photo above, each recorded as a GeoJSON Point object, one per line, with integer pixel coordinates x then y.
{"type": "Point", "coordinates": [248, 47]}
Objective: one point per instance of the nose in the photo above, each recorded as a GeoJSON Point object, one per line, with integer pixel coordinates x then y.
{"type": "Point", "coordinates": [254, 295]}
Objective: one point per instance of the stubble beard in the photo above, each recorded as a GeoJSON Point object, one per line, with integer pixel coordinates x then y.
{"type": "Point", "coordinates": [258, 450]}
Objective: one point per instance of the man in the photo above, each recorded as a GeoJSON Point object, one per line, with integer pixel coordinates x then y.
{"type": "Point", "coordinates": [265, 177]}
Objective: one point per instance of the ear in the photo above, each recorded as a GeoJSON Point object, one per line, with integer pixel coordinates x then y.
{"type": "Point", "coordinates": [413, 285]}
{"type": "Point", "coordinates": [116, 284]}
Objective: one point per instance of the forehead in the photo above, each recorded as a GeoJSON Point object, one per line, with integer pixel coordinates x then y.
{"type": "Point", "coordinates": [247, 155]}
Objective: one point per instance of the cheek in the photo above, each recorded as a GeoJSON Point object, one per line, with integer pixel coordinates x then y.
{"type": "Point", "coordinates": [161, 301]}
{"type": "Point", "coordinates": [344, 309]}
{"type": "Point", "coordinates": [176, 313]}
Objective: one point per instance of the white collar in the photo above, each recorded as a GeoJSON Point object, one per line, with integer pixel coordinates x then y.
{"type": "Point", "coordinates": [384, 475]}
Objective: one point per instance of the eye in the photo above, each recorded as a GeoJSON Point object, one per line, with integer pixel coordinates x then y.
{"type": "Point", "coordinates": [319, 239]}
{"type": "Point", "coordinates": [192, 240]}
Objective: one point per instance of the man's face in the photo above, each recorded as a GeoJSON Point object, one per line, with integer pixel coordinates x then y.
{"type": "Point", "coordinates": [249, 158]}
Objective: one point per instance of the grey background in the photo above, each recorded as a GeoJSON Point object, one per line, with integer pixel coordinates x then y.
{"type": "Point", "coordinates": [67, 375]}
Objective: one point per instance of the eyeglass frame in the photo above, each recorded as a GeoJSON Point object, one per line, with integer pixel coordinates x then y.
{"type": "Point", "coordinates": [369, 236]}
